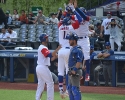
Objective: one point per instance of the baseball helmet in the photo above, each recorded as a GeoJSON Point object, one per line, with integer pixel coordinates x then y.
{"type": "Point", "coordinates": [83, 9]}
{"type": "Point", "coordinates": [72, 36]}
{"type": "Point", "coordinates": [107, 44]}
{"type": "Point", "coordinates": [66, 21]}
{"type": "Point", "coordinates": [43, 37]}
{"type": "Point", "coordinates": [91, 47]}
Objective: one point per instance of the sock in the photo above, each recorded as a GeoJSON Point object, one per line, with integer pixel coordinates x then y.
{"type": "Point", "coordinates": [60, 78]}
{"type": "Point", "coordinates": [87, 66]}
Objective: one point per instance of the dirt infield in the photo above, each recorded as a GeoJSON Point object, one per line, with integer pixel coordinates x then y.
{"type": "Point", "coordinates": [84, 89]}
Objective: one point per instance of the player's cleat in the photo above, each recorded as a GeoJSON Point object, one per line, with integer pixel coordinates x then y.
{"type": "Point", "coordinates": [66, 94]}
{"type": "Point", "coordinates": [62, 94]}
{"type": "Point", "coordinates": [87, 78]}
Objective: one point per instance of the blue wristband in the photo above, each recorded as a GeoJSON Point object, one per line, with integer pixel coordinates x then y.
{"type": "Point", "coordinates": [75, 69]}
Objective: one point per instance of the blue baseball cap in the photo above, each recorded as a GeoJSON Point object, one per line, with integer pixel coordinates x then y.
{"type": "Point", "coordinates": [91, 47]}
{"type": "Point", "coordinates": [72, 36]}
{"type": "Point", "coordinates": [43, 37]}
{"type": "Point", "coordinates": [107, 44]}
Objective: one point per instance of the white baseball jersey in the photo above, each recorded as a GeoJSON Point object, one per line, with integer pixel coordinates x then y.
{"type": "Point", "coordinates": [105, 24]}
{"type": "Point", "coordinates": [42, 53]}
{"type": "Point", "coordinates": [83, 29]}
{"type": "Point", "coordinates": [63, 31]}
{"type": "Point", "coordinates": [43, 74]}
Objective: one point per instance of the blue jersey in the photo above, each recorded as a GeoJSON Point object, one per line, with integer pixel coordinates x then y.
{"type": "Point", "coordinates": [76, 55]}
{"type": "Point", "coordinates": [92, 55]}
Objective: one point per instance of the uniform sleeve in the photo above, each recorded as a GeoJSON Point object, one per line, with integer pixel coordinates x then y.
{"type": "Point", "coordinates": [82, 14]}
{"type": "Point", "coordinates": [78, 16]}
{"type": "Point", "coordinates": [75, 24]}
{"type": "Point", "coordinates": [46, 52]}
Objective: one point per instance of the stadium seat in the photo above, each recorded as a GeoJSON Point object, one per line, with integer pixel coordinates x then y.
{"type": "Point", "coordinates": [31, 26]}
{"type": "Point", "coordinates": [31, 31]}
{"type": "Point", "coordinates": [17, 23]}
{"type": "Point", "coordinates": [56, 40]}
{"type": "Point", "coordinates": [24, 26]}
{"type": "Point", "coordinates": [46, 27]}
{"type": "Point", "coordinates": [55, 27]}
{"type": "Point", "coordinates": [39, 31]}
{"type": "Point", "coordinates": [23, 31]}
{"type": "Point", "coordinates": [39, 26]}
{"type": "Point", "coordinates": [32, 35]}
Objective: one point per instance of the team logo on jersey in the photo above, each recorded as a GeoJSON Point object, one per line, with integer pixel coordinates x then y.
{"type": "Point", "coordinates": [64, 28]}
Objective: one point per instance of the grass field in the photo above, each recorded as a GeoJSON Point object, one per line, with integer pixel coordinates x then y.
{"type": "Point", "coordinates": [30, 95]}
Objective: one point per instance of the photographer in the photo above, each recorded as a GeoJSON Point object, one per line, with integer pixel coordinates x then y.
{"type": "Point", "coordinates": [115, 34]}
{"type": "Point", "coordinates": [59, 14]}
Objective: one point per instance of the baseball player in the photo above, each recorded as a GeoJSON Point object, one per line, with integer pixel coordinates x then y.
{"type": "Point", "coordinates": [75, 67]}
{"type": "Point", "coordinates": [82, 33]}
{"type": "Point", "coordinates": [43, 73]}
{"type": "Point", "coordinates": [68, 23]}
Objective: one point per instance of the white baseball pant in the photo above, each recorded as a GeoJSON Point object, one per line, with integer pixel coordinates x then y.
{"type": "Point", "coordinates": [85, 44]}
{"type": "Point", "coordinates": [44, 76]}
{"type": "Point", "coordinates": [63, 56]}
{"type": "Point", "coordinates": [117, 41]}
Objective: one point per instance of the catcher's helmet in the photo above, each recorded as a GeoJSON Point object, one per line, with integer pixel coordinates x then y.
{"type": "Point", "coordinates": [66, 21]}
{"type": "Point", "coordinates": [83, 9]}
{"type": "Point", "coordinates": [72, 36]}
{"type": "Point", "coordinates": [43, 37]}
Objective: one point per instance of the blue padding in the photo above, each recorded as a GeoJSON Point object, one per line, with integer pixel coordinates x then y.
{"type": "Point", "coordinates": [76, 93]}
{"type": "Point", "coordinates": [69, 88]}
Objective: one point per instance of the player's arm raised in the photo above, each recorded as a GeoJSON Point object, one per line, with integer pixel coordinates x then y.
{"type": "Point", "coordinates": [81, 13]}
{"type": "Point", "coordinates": [47, 53]}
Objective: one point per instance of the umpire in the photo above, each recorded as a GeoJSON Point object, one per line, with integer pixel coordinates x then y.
{"type": "Point", "coordinates": [75, 64]}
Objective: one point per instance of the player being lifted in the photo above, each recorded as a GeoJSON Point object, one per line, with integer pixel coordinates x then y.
{"type": "Point", "coordinates": [82, 33]}
{"type": "Point", "coordinates": [67, 23]}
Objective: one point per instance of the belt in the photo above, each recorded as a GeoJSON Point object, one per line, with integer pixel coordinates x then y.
{"type": "Point", "coordinates": [67, 47]}
{"type": "Point", "coordinates": [80, 37]}
{"type": "Point", "coordinates": [73, 67]}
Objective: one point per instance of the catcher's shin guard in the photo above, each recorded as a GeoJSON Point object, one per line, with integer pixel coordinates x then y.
{"type": "Point", "coordinates": [76, 93]}
{"type": "Point", "coordinates": [69, 88]}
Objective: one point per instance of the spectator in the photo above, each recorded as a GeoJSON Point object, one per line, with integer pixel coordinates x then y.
{"type": "Point", "coordinates": [40, 18]}
{"type": "Point", "coordinates": [59, 14]}
{"type": "Point", "coordinates": [3, 18]}
{"type": "Point", "coordinates": [104, 25]}
{"type": "Point", "coordinates": [15, 15]}
{"type": "Point", "coordinates": [122, 17]}
{"type": "Point", "coordinates": [4, 37]}
{"type": "Point", "coordinates": [53, 19]}
{"type": "Point", "coordinates": [106, 65]}
{"type": "Point", "coordinates": [12, 36]}
{"type": "Point", "coordinates": [115, 34]}
{"type": "Point", "coordinates": [30, 19]}
{"type": "Point", "coordinates": [92, 35]}
{"type": "Point", "coordinates": [99, 36]}
{"type": "Point", "coordinates": [23, 18]}
{"type": "Point", "coordinates": [8, 18]}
